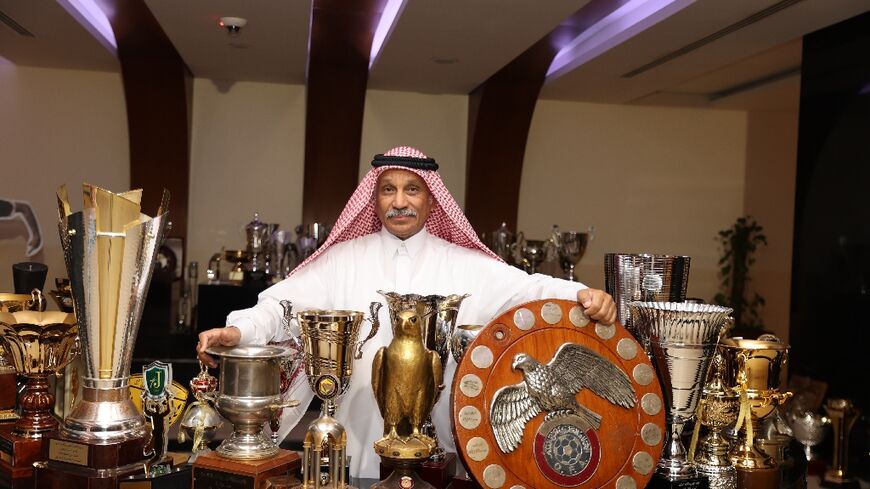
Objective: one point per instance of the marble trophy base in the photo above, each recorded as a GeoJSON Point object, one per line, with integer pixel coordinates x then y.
{"type": "Point", "coordinates": [72, 463]}
{"type": "Point", "coordinates": [661, 482]}
{"type": "Point", "coordinates": [17, 455]}
{"type": "Point", "coordinates": [211, 471]}
{"type": "Point", "coordinates": [438, 474]}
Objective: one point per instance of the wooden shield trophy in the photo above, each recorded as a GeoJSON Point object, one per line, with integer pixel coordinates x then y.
{"type": "Point", "coordinates": [545, 398]}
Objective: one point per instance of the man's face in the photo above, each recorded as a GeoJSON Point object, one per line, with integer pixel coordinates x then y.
{"type": "Point", "coordinates": [403, 202]}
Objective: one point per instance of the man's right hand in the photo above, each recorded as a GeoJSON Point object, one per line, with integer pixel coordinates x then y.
{"type": "Point", "coordinates": [229, 336]}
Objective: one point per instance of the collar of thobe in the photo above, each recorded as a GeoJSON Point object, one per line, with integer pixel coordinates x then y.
{"type": "Point", "coordinates": [393, 245]}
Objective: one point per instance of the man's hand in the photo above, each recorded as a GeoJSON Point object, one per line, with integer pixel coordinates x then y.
{"type": "Point", "coordinates": [229, 336]}
{"type": "Point", "coordinates": [597, 304]}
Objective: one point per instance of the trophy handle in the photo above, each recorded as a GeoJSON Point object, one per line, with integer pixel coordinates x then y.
{"type": "Point", "coordinates": [76, 351]}
{"type": "Point", "coordinates": [288, 314]}
{"type": "Point", "coordinates": [374, 309]}
{"type": "Point", "coordinates": [37, 299]}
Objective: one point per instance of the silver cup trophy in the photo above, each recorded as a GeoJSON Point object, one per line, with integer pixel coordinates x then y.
{"type": "Point", "coordinates": [571, 246]}
{"type": "Point", "coordinates": [439, 322]}
{"type": "Point", "coordinates": [109, 248]}
{"type": "Point", "coordinates": [644, 277]}
{"type": "Point", "coordinates": [682, 339]}
{"type": "Point", "coordinates": [248, 395]}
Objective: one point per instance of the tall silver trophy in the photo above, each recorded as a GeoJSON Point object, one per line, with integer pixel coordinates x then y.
{"type": "Point", "coordinates": [110, 248]}
{"type": "Point", "coordinates": [682, 339]}
{"type": "Point", "coordinates": [439, 322]}
{"type": "Point", "coordinates": [644, 277]}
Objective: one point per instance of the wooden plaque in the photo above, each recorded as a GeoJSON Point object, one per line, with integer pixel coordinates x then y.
{"type": "Point", "coordinates": [556, 447]}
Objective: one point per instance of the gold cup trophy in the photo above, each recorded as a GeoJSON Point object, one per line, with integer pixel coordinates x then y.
{"type": "Point", "coordinates": [330, 345]}
{"type": "Point", "coordinates": [717, 410]}
{"type": "Point", "coordinates": [753, 369]}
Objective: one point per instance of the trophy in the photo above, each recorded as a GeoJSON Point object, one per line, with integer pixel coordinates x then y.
{"type": "Point", "coordinates": [62, 294]}
{"type": "Point", "coordinates": [200, 421]}
{"type": "Point", "coordinates": [329, 339]}
{"type": "Point", "coordinates": [533, 252]}
{"type": "Point", "coordinates": [809, 430]}
{"type": "Point", "coordinates": [718, 410]}
{"type": "Point", "coordinates": [438, 323]}
{"type": "Point", "coordinates": [682, 340]}
{"type": "Point", "coordinates": [258, 234]}
{"type": "Point", "coordinates": [644, 277]}
{"type": "Point", "coordinates": [110, 249]}
{"type": "Point", "coordinates": [406, 379]}
{"type": "Point", "coordinates": [502, 242]}
{"type": "Point", "coordinates": [309, 237]}
{"type": "Point", "coordinates": [571, 246]}
{"type": "Point", "coordinates": [462, 337]}
{"type": "Point", "coordinates": [843, 415]}
{"type": "Point", "coordinates": [40, 344]}
{"type": "Point", "coordinates": [753, 369]}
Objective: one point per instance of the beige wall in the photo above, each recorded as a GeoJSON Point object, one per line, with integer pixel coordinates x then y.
{"type": "Point", "coordinates": [246, 156]}
{"type": "Point", "coordinates": [771, 164]}
{"type": "Point", "coordinates": [654, 180]}
{"type": "Point", "coordinates": [434, 124]}
{"type": "Point", "coordinates": [57, 126]}
{"type": "Point", "coordinates": [649, 179]}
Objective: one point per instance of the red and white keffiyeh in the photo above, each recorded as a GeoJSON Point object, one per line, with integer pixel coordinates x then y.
{"type": "Point", "coordinates": [359, 217]}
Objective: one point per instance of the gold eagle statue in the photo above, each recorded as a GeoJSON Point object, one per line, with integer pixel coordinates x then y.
{"type": "Point", "coordinates": [554, 388]}
{"type": "Point", "coordinates": [406, 378]}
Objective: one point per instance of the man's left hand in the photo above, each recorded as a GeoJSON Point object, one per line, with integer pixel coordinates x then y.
{"type": "Point", "coordinates": [598, 305]}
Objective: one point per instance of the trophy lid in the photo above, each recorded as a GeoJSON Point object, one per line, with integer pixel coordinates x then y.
{"type": "Point", "coordinates": [269, 351]}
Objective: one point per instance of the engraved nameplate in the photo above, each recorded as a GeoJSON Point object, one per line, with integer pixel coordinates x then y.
{"type": "Point", "coordinates": [214, 479]}
{"type": "Point", "coordinates": [67, 451]}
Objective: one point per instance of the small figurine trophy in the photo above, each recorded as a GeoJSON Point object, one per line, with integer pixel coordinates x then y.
{"type": "Point", "coordinates": [406, 379]}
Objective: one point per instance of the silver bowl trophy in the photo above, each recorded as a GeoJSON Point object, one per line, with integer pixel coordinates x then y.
{"type": "Point", "coordinates": [809, 430]}
{"type": "Point", "coordinates": [682, 340]}
{"type": "Point", "coordinates": [248, 395]}
{"type": "Point", "coordinates": [439, 315]}
{"type": "Point", "coordinates": [330, 343]}
{"type": "Point", "coordinates": [110, 249]}
{"type": "Point", "coordinates": [644, 277]}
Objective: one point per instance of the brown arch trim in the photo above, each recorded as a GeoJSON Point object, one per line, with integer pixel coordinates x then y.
{"type": "Point", "coordinates": [499, 115]}
{"type": "Point", "coordinates": [338, 70]}
{"type": "Point", "coordinates": [158, 91]}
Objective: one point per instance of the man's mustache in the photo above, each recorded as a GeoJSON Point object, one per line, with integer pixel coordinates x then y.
{"type": "Point", "coordinates": [407, 212]}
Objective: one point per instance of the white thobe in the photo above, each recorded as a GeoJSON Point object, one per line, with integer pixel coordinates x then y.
{"type": "Point", "coordinates": [348, 275]}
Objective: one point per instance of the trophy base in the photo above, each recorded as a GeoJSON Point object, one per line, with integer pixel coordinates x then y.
{"type": "Point", "coordinates": [403, 476]}
{"type": "Point", "coordinates": [758, 478]}
{"type": "Point", "coordinates": [175, 478]}
{"type": "Point", "coordinates": [18, 451]}
{"type": "Point", "coordinates": [58, 475]}
{"type": "Point", "coordinates": [439, 474]}
{"type": "Point", "coordinates": [659, 481]}
{"type": "Point", "coordinates": [61, 452]}
{"type": "Point", "coordinates": [211, 471]}
{"type": "Point", "coordinates": [836, 482]}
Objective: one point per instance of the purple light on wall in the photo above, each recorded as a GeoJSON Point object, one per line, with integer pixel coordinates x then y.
{"type": "Point", "coordinates": [621, 25]}
{"type": "Point", "coordinates": [392, 11]}
{"type": "Point", "coordinates": [94, 20]}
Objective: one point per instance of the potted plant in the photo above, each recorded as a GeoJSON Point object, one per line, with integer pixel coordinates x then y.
{"type": "Point", "coordinates": [739, 243]}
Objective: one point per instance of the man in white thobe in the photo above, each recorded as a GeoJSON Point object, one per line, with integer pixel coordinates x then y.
{"type": "Point", "coordinates": [401, 232]}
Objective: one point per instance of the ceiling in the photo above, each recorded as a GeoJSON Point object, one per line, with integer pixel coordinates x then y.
{"type": "Point", "coordinates": [452, 46]}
